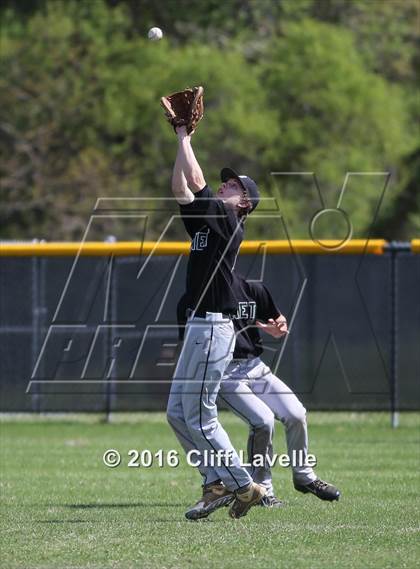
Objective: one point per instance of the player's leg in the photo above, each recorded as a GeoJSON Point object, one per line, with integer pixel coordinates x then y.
{"type": "Point", "coordinates": [209, 346]}
{"type": "Point", "coordinates": [238, 396]}
{"type": "Point", "coordinates": [289, 410]}
{"type": "Point", "coordinates": [214, 494]}
{"type": "Point", "coordinates": [214, 343]}
{"type": "Point", "coordinates": [175, 417]}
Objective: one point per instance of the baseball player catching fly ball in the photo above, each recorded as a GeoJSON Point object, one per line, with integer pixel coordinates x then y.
{"type": "Point", "coordinates": [215, 225]}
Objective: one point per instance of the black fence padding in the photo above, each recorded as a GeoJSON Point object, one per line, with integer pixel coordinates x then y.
{"type": "Point", "coordinates": [101, 334]}
{"type": "Point", "coordinates": [408, 330]}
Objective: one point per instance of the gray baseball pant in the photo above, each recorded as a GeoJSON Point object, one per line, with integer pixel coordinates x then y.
{"type": "Point", "coordinates": [258, 397]}
{"type": "Point", "coordinates": [192, 411]}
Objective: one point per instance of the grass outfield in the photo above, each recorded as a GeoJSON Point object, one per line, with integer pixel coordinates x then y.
{"type": "Point", "coordinates": [62, 508]}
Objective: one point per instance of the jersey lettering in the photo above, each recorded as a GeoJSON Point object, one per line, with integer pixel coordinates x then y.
{"type": "Point", "coordinates": [199, 243]}
{"type": "Point", "coordinates": [246, 310]}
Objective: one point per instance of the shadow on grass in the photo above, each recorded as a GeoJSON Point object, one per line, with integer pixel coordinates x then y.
{"type": "Point", "coordinates": [118, 505]}
{"type": "Point", "coordinates": [154, 521]}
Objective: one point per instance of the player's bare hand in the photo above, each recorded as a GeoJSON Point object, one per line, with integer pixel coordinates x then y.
{"type": "Point", "coordinates": [276, 328]}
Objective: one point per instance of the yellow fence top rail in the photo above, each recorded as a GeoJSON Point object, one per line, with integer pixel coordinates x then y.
{"type": "Point", "coordinates": [128, 248]}
{"type": "Point", "coordinates": [415, 245]}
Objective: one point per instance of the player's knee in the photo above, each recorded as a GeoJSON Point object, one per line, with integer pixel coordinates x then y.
{"type": "Point", "coordinates": [297, 416]}
{"type": "Point", "coordinates": [202, 428]}
{"type": "Point", "coordinates": [264, 423]}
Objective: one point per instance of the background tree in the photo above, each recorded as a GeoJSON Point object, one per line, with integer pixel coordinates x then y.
{"type": "Point", "coordinates": [323, 86]}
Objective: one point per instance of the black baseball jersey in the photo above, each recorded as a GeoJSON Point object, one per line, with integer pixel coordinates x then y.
{"type": "Point", "coordinates": [253, 302]}
{"type": "Point", "coordinates": [216, 234]}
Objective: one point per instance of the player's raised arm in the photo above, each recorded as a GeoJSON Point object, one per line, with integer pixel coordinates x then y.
{"type": "Point", "coordinates": [187, 163]}
{"type": "Point", "coordinates": [184, 110]}
{"type": "Point", "coordinates": [187, 176]}
{"type": "Point", "coordinates": [180, 189]}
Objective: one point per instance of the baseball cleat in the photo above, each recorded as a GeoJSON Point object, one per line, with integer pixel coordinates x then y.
{"type": "Point", "coordinates": [323, 490]}
{"type": "Point", "coordinates": [245, 499]}
{"type": "Point", "coordinates": [271, 502]}
{"type": "Point", "coordinates": [214, 496]}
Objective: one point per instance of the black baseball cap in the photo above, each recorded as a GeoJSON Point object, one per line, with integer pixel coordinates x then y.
{"type": "Point", "coordinates": [246, 182]}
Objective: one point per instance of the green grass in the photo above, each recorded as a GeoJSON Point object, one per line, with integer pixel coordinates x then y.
{"type": "Point", "coordinates": [62, 508]}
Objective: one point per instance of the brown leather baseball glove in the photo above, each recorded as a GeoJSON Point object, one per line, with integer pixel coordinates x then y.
{"type": "Point", "coordinates": [185, 108]}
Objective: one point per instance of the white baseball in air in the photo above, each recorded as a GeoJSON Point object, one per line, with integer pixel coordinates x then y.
{"type": "Point", "coordinates": [155, 34]}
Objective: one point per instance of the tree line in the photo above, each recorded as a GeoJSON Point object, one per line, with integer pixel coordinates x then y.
{"type": "Point", "coordinates": [311, 86]}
